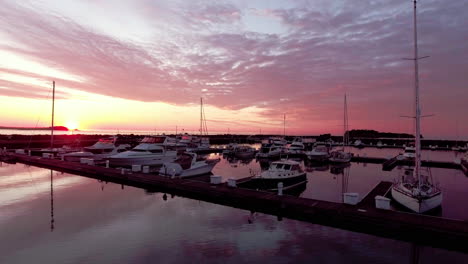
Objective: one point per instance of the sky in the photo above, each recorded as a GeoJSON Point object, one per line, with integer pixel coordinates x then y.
{"type": "Point", "coordinates": [145, 64]}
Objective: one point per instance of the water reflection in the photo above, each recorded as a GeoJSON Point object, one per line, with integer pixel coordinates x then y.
{"type": "Point", "coordinates": [52, 220]}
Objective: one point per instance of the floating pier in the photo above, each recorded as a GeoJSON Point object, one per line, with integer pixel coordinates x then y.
{"type": "Point", "coordinates": [390, 164]}
{"type": "Point", "coordinates": [382, 189]}
{"type": "Point", "coordinates": [425, 230]}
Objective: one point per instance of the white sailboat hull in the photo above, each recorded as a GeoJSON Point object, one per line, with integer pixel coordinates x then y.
{"type": "Point", "coordinates": [414, 204]}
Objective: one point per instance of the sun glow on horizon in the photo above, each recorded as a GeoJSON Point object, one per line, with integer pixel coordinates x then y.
{"type": "Point", "coordinates": [71, 124]}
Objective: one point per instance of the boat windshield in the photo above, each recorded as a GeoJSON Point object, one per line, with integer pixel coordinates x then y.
{"type": "Point", "coordinates": [139, 150]}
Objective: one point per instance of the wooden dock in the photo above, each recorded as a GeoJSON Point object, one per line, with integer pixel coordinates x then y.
{"type": "Point", "coordinates": [390, 164]}
{"type": "Point", "coordinates": [381, 189]}
{"type": "Point", "coordinates": [424, 230]}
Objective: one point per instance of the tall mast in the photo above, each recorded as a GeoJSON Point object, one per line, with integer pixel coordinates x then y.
{"type": "Point", "coordinates": [417, 109]}
{"type": "Point", "coordinates": [201, 116]}
{"type": "Point", "coordinates": [52, 128]}
{"type": "Point", "coordinates": [345, 121]}
{"type": "Point", "coordinates": [284, 125]}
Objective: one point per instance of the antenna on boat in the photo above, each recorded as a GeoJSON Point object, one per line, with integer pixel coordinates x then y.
{"type": "Point", "coordinates": [52, 128]}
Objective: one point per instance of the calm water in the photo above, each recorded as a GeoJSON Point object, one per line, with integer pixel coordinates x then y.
{"type": "Point", "coordinates": [74, 219]}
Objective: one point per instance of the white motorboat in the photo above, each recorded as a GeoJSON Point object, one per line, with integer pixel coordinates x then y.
{"type": "Point", "coordinates": [150, 151]}
{"type": "Point", "coordinates": [187, 165]}
{"type": "Point", "coordinates": [288, 172]}
{"type": "Point", "coordinates": [340, 155]}
{"type": "Point", "coordinates": [244, 152]}
{"type": "Point", "coordinates": [409, 153]}
{"type": "Point", "coordinates": [319, 153]}
{"type": "Point", "coordinates": [100, 150]}
{"type": "Point", "coordinates": [464, 163]}
{"type": "Point", "coordinates": [413, 190]}
{"type": "Point", "coordinates": [268, 150]}
{"type": "Point", "coordinates": [296, 148]}
{"type": "Point", "coordinates": [379, 144]}
{"type": "Point", "coordinates": [230, 148]}
{"type": "Point", "coordinates": [202, 145]}
{"type": "Point", "coordinates": [358, 143]}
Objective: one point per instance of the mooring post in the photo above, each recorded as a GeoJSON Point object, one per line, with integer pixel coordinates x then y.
{"type": "Point", "coordinates": [122, 171]}
{"type": "Point", "coordinates": [107, 163]}
{"type": "Point", "coordinates": [29, 152]}
{"type": "Point", "coordinates": [61, 157]}
{"type": "Point", "coordinates": [280, 188]}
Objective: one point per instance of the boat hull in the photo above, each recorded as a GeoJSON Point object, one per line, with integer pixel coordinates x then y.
{"type": "Point", "coordinates": [415, 205]}
{"type": "Point", "coordinates": [150, 161]}
{"type": "Point", "coordinates": [244, 155]}
{"type": "Point", "coordinates": [272, 184]}
{"type": "Point", "coordinates": [318, 157]}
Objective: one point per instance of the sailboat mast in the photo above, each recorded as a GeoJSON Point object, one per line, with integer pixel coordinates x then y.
{"type": "Point", "coordinates": [201, 116]}
{"type": "Point", "coordinates": [52, 127]}
{"type": "Point", "coordinates": [345, 121]}
{"type": "Point", "coordinates": [284, 125]}
{"type": "Point", "coordinates": [417, 109]}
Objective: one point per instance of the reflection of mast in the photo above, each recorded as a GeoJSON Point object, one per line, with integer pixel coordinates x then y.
{"type": "Point", "coordinates": [52, 128]}
{"type": "Point", "coordinates": [414, 256]}
{"type": "Point", "coordinates": [52, 221]}
{"type": "Point", "coordinates": [344, 181]}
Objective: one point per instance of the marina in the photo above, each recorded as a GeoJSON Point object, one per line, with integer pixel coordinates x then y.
{"type": "Point", "coordinates": [365, 218]}
{"type": "Point", "coordinates": [233, 132]}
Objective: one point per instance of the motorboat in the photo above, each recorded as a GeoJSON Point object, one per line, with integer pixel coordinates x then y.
{"type": "Point", "coordinates": [409, 153]}
{"type": "Point", "coordinates": [379, 144]}
{"type": "Point", "coordinates": [100, 150]}
{"type": "Point", "coordinates": [358, 144]}
{"type": "Point", "coordinates": [150, 151]}
{"type": "Point", "coordinates": [319, 153]}
{"type": "Point", "coordinates": [187, 165]}
{"type": "Point", "coordinates": [296, 148]}
{"type": "Point", "coordinates": [230, 148]}
{"type": "Point", "coordinates": [414, 190]}
{"type": "Point", "coordinates": [464, 163]}
{"type": "Point", "coordinates": [244, 152]}
{"type": "Point", "coordinates": [268, 150]}
{"type": "Point", "coordinates": [202, 145]}
{"type": "Point", "coordinates": [287, 172]}
{"type": "Point", "coordinates": [340, 156]}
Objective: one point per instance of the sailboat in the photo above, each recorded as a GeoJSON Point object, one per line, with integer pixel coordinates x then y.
{"type": "Point", "coordinates": [415, 191]}
{"type": "Point", "coordinates": [341, 156]}
{"type": "Point", "coordinates": [51, 149]}
{"type": "Point", "coordinates": [203, 143]}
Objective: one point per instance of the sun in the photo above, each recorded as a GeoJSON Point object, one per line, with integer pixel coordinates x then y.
{"type": "Point", "coordinates": [71, 125]}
